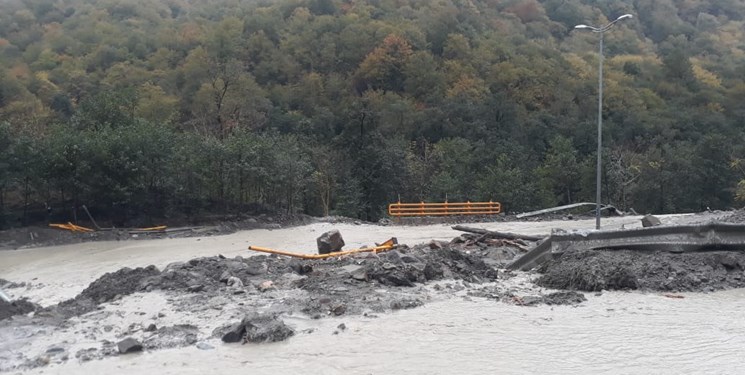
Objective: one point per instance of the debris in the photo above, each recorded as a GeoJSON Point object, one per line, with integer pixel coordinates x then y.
{"type": "Point", "coordinates": [129, 345]}
{"type": "Point", "coordinates": [675, 296]}
{"type": "Point", "coordinates": [265, 285]}
{"type": "Point", "coordinates": [385, 246]}
{"type": "Point", "coordinates": [566, 207]}
{"type": "Point", "coordinates": [330, 242]}
{"type": "Point", "coordinates": [235, 282]}
{"type": "Point", "coordinates": [681, 238]}
{"type": "Point", "coordinates": [493, 234]}
{"type": "Point", "coordinates": [650, 221]}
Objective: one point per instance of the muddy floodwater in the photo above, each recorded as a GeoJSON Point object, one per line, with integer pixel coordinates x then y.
{"type": "Point", "coordinates": [612, 332]}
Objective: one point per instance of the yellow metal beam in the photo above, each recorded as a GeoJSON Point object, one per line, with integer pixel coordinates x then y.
{"type": "Point", "coordinates": [385, 246]}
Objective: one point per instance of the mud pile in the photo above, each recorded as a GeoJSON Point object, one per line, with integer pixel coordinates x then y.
{"type": "Point", "coordinates": [18, 307]}
{"type": "Point", "coordinates": [337, 286]}
{"type": "Point", "coordinates": [658, 271]}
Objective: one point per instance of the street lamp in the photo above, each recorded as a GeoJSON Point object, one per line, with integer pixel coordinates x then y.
{"type": "Point", "coordinates": [601, 31]}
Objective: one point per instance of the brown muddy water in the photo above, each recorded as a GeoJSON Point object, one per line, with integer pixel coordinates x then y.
{"type": "Point", "coordinates": [610, 333]}
{"type": "Point", "coordinates": [614, 333]}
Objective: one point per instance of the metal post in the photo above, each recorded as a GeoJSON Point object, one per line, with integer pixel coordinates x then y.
{"type": "Point", "coordinates": [601, 31]}
{"type": "Point", "coordinates": [600, 135]}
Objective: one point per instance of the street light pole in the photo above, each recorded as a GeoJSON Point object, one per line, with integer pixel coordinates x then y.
{"type": "Point", "coordinates": [599, 167]}
{"type": "Point", "coordinates": [601, 31]}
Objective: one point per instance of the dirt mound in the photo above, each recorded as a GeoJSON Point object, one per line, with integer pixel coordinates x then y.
{"type": "Point", "coordinates": [659, 271]}
{"type": "Point", "coordinates": [17, 307]}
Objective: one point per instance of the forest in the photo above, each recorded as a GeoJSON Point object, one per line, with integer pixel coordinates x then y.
{"type": "Point", "coordinates": [149, 110]}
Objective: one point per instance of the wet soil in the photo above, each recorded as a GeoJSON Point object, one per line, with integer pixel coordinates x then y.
{"type": "Point", "coordinates": [364, 284]}
{"type": "Point", "coordinates": [658, 271]}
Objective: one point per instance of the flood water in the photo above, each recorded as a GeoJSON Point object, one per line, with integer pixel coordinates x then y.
{"type": "Point", "coordinates": [615, 333]}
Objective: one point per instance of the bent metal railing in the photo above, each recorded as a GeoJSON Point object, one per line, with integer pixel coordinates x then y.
{"type": "Point", "coordinates": [443, 209]}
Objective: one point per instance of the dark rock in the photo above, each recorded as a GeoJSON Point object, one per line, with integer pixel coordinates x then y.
{"type": "Point", "coordinates": [342, 327]}
{"type": "Point", "coordinates": [410, 259]}
{"type": "Point", "coordinates": [330, 242]}
{"type": "Point", "coordinates": [55, 350]}
{"type": "Point", "coordinates": [230, 332]}
{"type": "Point", "coordinates": [650, 221]}
{"type": "Point", "coordinates": [129, 345]}
{"type": "Point", "coordinates": [339, 309]}
{"type": "Point", "coordinates": [151, 328]}
{"type": "Point", "coordinates": [266, 328]}
{"type": "Point", "coordinates": [301, 268]}
{"type": "Point", "coordinates": [256, 328]}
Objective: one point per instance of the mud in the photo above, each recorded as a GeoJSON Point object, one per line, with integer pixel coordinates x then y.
{"type": "Point", "coordinates": [273, 287]}
{"type": "Point", "coordinates": [17, 307]}
{"type": "Point", "coordinates": [632, 270]}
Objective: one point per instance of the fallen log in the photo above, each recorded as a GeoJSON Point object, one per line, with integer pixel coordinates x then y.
{"type": "Point", "coordinates": [493, 234]}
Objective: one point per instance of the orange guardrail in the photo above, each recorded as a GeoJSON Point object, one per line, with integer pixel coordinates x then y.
{"type": "Point", "coordinates": [443, 209]}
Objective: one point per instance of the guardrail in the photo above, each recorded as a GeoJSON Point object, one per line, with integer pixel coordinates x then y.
{"type": "Point", "coordinates": [443, 209]}
{"type": "Point", "coordinates": [676, 239]}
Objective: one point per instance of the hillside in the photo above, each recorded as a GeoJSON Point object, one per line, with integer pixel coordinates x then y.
{"type": "Point", "coordinates": [144, 109]}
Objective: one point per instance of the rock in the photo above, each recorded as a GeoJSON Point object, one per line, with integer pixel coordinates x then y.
{"type": "Point", "coordinates": [650, 221]}
{"type": "Point", "coordinates": [435, 245]}
{"type": "Point", "coordinates": [230, 332]}
{"type": "Point", "coordinates": [129, 345]}
{"type": "Point", "coordinates": [389, 266]}
{"type": "Point", "coordinates": [252, 221]}
{"type": "Point", "coordinates": [204, 346]}
{"type": "Point", "coordinates": [360, 275]}
{"type": "Point", "coordinates": [342, 327]}
{"type": "Point", "coordinates": [330, 242]}
{"type": "Point", "coordinates": [339, 309]}
{"type": "Point", "coordinates": [235, 282]}
{"type": "Point", "coordinates": [196, 288]}
{"type": "Point", "coordinates": [266, 328]}
{"type": "Point", "coordinates": [384, 221]}
{"type": "Point", "coordinates": [225, 276]}
{"type": "Point", "coordinates": [357, 222]}
{"type": "Point", "coordinates": [55, 350]}
{"type": "Point", "coordinates": [410, 259]}
{"type": "Point", "coordinates": [273, 226]}
{"type": "Point", "coordinates": [301, 268]}
{"type": "Point", "coordinates": [406, 303]}
{"type": "Point", "coordinates": [264, 286]}
{"type": "Point", "coordinates": [256, 328]}
{"type": "Point", "coordinates": [151, 328]}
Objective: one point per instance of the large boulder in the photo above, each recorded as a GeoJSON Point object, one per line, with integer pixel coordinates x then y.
{"type": "Point", "coordinates": [129, 345]}
{"type": "Point", "coordinates": [330, 242]}
{"type": "Point", "coordinates": [256, 328]}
